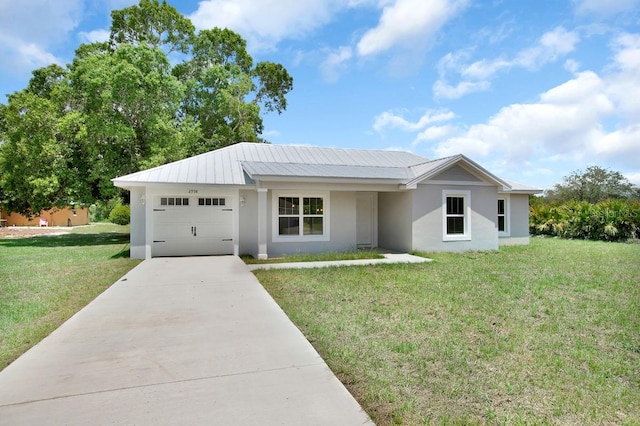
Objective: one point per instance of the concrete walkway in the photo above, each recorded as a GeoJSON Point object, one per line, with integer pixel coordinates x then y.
{"type": "Point", "coordinates": [388, 258]}
{"type": "Point", "coordinates": [177, 341]}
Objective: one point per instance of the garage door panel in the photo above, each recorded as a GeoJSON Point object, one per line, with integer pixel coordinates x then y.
{"type": "Point", "coordinates": [171, 217]}
{"type": "Point", "coordinates": [172, 231]}
{"type": "Point", "coordinates": [192, 229]}
{"type": "Point", "coordinates": [212, 230]}
{"type": "Point", "coordinates": [171, 248]}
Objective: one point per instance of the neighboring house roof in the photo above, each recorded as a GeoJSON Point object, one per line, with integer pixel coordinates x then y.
{"type": "Point", "coordinates": [244, 163]}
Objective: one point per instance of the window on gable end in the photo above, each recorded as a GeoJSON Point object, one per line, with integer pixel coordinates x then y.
{"type": "Point", "coordinates": [503, 216]}
{"type": "Point", "coordinates": [456, 211]}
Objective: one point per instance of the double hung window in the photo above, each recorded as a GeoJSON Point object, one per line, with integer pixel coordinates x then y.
{"type": "Point", "coordinates": [503, 216]}
{"type": "Point", "coordinates": [300, 217]}
{"type": "Point", "coordinates": [455, 215]}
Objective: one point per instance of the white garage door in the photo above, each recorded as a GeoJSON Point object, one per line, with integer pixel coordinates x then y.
{"type": "Point", "coordinates": [192, 226]}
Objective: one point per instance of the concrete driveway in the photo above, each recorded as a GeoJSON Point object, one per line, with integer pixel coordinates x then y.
{"type": "Point", "coordinates": [187, 341]}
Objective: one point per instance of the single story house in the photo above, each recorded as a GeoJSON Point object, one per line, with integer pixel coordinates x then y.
{"type": "Point", "coordinates": [269, 200]}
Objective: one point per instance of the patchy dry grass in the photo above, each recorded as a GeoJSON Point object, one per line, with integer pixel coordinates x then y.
{"type": "Point", "coordinates": [542, 334]}
{"type": "Point", "coordinates": [46, 279]}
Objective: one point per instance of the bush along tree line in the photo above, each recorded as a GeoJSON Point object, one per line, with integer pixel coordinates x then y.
{"type": "Point", "coordinates": [157, 91]}
{"type": "Point", "coordinates": [597, 204]}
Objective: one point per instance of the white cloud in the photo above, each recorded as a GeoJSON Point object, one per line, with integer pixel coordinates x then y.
{"type": "Point", "coordinates": [389, 119]}
{"type": "Point", "coordinates": [335, 62]}
{"type": "Point", "coordinates": [603, 8]}
{"type": "Point", "coordinates": [633, 177]}
{"type": "Point", "coordinates": [476, 76]}
{"type": "Point", "coordinates": [552, 45]}
{"type": "Point", "coordinates": [28, 30]}
{"type": "Point", "coordinates": [436, 133]}
{"type": "Point", "coordinates": [442, 89]}
{"type": "Point", "coordinates": [572, 65]}
{"type": "Point", "coordinates": [23, 57]}
{"type": "Point", "coordinates": [94, 36]}
{"type": "Point", "coordinates": [564, 121]}
{"type": "Point", "coordinates": [42, 22]}
{"type": "Point", "coordinates": [405, 26]}
{"type": "Point", "coordinates": [486, 68]}
{"type": "Point", "coordinates": [568, 124]}
{"type": "Point", "coordinates": [264, 23]}
{"type": "Point", "coordinates": [623, 84]}
{"type": "Point", "coordinates": [406, 23]}
{"type": "Point", "coordinates": [622, 146]}
{"type": "Point", "coordinates": [627, 47]}
{"type": "Point", "coordinates": [586, 85]}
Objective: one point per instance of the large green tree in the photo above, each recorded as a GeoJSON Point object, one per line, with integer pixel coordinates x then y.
{"type": "Point", "coordinates": [224, 90]}
{"type": "Point", "coordinates": [121, 106]}
{"type": "Point", "coordinates": [593, 185]}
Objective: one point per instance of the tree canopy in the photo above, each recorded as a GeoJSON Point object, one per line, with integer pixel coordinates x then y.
{"type": "Point", "coordinates": [156, 91]}
{"type": "Point", "coordinates": [593, 185]}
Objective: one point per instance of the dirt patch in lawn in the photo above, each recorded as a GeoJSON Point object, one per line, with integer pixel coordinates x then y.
{"type": "Point", "coordinates": [32, 231]}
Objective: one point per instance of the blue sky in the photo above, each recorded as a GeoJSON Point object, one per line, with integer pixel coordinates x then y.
{"type": "Point", "coordinates": [531, 90]}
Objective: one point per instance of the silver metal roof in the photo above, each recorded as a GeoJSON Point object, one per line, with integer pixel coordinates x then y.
{"type": "Point", "coordinates": [258, 170]}
{"type": "Point", "coordinates": [243, 163]}
{"type": "Point", "coordinates": [227, 166]}
{"type": "Point", "coordinates": [520, 187]}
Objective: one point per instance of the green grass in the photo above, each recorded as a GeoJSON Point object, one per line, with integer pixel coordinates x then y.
{"type": "Point", "coordinates": [316, 257]}
{"type": "Point", "coordinates": [542, 334]}
{"type": "Point", "coordinates": [45, 280]}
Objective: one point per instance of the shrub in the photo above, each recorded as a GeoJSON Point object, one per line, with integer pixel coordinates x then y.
{"type": "Point", "coordinates": [101, 209]}
{"type": "Point", "coordinates": [120, 215]}
{"type": "Point", "coordinates": [612, 220]}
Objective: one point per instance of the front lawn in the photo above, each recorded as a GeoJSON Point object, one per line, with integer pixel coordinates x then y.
{"type": "Point", "coordinates": [46, 279]}
{"type": "Point", "coordinates": [545, 333]}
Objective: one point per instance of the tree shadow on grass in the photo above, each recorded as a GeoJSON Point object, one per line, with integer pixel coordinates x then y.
{"type": "Point", "coordinates": [68, 240]}
{"type": "Point", "coordinates": [125, 253]}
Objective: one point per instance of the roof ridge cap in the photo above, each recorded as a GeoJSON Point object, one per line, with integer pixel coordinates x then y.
{"type": "Point", "coordinates": [438, 159]}
{"type": "Point", "coordinates": [402, 151]}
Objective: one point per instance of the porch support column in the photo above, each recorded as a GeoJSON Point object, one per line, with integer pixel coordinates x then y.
{"type": "Point", "coordinates": [262, 223]}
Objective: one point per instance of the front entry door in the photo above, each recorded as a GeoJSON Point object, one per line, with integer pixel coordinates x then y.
{"type": "Point", "coordinates": [366, 219]}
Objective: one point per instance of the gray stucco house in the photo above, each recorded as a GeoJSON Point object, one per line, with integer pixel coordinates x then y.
{"type": "Point", "coordinates": [268, 200]}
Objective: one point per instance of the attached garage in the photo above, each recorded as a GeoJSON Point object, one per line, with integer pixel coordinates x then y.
{"type": "Point", "coordinates": [192, 226]}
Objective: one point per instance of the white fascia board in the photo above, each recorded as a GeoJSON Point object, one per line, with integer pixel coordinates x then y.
{"type": "Point", "coordinates": [127, 185]}
{"type": "Point", "coordinates": [522, 191]}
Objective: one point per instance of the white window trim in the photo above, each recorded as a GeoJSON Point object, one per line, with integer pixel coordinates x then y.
{"type": "Point", "coordinates": [507, 216]}
{"type": "Point", "coordinates": [326, 205]}
{"type": "Point", "coordinates": [467, 215]}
